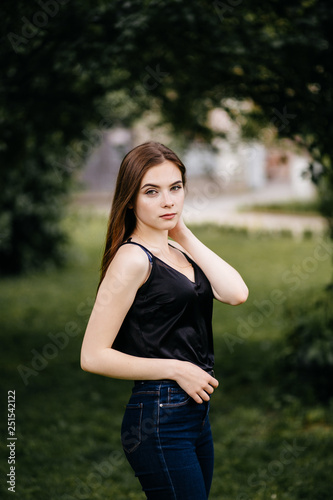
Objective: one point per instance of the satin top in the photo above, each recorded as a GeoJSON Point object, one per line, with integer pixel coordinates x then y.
{"type": "Point", "coordinates": [171, 316]}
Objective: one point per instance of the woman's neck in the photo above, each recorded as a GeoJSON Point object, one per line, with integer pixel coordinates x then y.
{"type": "Point", "coordinates": [156, 241]}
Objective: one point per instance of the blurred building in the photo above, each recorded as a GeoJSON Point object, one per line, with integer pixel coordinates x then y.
{"type": "Point", "coordinates": [99, 173]}
{"type": "Point", "coordinates": [234, 165]}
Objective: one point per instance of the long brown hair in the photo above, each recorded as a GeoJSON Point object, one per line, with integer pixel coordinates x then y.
{"type": "Point", "coordinates": [122, 220]}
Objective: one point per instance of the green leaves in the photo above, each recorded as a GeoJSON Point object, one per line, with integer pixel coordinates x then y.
{"type": "Point", "coordinates": [69, 66]}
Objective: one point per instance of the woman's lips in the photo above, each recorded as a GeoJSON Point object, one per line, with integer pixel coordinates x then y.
{"type": "Point", "coordinates": [167, 216]}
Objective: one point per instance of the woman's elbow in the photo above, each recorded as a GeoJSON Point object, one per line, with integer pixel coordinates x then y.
{"type": "Point", "coordinates": [240, 297]}
{"type": "Point", "coordinates": [86, 362]}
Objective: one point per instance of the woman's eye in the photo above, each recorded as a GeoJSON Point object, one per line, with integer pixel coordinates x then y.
{"type": "Point", "coordinates": [151, 191]}
{"type": "Point", "coordinates": [176, 188]}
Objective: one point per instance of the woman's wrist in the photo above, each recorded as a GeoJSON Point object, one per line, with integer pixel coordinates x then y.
{"type": "Point", "coordinates": [176, 369]}
{"type": "Point", "coordinates": [182, 236]}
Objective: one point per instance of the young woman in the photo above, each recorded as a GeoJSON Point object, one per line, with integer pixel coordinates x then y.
{"type": "Point", "coordinates": [151, 323]}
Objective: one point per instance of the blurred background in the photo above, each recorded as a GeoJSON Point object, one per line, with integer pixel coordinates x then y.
{"type": "Point", "coordinates": [242, 92]}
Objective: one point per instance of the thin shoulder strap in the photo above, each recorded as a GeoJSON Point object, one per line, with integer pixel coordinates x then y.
{"type": "Point", "coordinates": [149, 254]}
{"type": "Point", "coordinates": [181, 251]}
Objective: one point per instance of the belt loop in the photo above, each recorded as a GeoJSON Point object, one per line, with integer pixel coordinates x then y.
{"type": "Point", "coordinates": [164, 393]}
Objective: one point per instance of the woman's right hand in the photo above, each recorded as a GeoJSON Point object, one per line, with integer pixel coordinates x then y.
{"type": "Point", "coordinates": [196, 382]}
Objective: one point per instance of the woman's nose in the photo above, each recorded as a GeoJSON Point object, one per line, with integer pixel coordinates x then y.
{"type": "Point", "coordinates": [167, 200]}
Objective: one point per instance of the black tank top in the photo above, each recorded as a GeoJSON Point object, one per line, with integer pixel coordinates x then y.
{"type": "Point", "coordinates": [171, 316]}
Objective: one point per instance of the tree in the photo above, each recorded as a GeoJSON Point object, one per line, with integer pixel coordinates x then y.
{"type": "Point", "coordinates": [58, 63]}
{"type": "Point", "coordinates": [72, 67]}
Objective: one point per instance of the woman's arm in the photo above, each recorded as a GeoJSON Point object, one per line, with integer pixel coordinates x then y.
{"type": "Point", "coordinates": [127, 272]}
{"type": "Point", "coordinates": [227, 284]}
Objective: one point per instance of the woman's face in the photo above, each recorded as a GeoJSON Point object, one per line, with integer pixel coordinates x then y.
{"type": "Point", "coordinates": [160, 199]}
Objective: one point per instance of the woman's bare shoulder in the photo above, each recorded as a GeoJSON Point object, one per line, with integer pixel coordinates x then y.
{"type": "Point", "coordinates": [129, 260]}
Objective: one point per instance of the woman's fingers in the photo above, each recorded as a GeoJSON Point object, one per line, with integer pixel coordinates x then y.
{"type": "Point", "coordinates": [214, 382]}
{"type": "Point", "coordinates": [205, 393]}
{"type": "Point", "coordinates": [205, 396]}
{"type": "Point", "coordinates": [210, 389]}
{"type": "Point", "coordinates": [197, 399]}
{"type": "Point", "coordinates": [196, 382]}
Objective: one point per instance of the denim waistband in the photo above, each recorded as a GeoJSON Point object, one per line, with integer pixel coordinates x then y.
{"type": "Point", "coordinates": [164, 381]}
{"type": "Point", "coordinates": [154, 382]}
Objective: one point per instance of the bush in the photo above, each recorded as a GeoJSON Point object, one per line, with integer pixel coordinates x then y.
{"type": "Point", "coordinates": [306, 358]}
{"type": "Point", "coordinates": [31, 208]}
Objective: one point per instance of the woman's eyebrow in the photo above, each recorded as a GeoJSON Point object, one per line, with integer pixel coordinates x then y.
{"type": "Point", "coordinates": [156, 186]}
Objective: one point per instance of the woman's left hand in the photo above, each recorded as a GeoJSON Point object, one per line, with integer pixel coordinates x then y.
{"type": "Point", "coordinates": [179, 229]}
{"type": "Point", "coordinates": [227, 284]}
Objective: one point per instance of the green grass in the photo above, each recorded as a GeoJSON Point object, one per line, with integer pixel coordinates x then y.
{"type": "Point", "coordinates": [267, 445]}
{"type": "Point", "coordinates": [292, 207]}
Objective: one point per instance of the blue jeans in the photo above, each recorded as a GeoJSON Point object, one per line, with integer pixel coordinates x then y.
{"type": "Point", "coordinates": [167, 440]}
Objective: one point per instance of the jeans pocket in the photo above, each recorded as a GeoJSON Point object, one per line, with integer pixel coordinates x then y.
{"type": "Point", "coordinates": [176, 398]}
{"type": "Point", "coordinates": [131, 429]}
